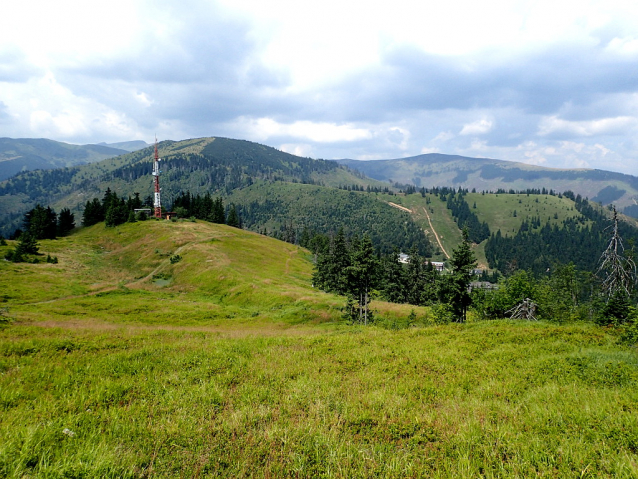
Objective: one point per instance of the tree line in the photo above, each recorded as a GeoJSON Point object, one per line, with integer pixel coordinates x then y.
{"type": "Point", "coordinates": [114, 210]}
{"type": "Point", "coordinates": [352, 267]}
{"type": "Point", "coordinates": [39, 223]}
{"type": "Point", "coordinates": [538, 248]}
{"type": "Point", "coordinates": [563, 293]}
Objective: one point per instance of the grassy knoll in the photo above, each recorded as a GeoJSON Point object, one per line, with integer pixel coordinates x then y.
{"type": "Point", "coordinates": [117, 362]}
{"type": "Point", "coordinates": [507, 212]}
{"type": "Point", "coordinates": [156, 271]}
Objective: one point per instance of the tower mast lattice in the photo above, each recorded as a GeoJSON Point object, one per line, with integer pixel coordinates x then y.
{"type": "Point", "coordinates": [157, 203]}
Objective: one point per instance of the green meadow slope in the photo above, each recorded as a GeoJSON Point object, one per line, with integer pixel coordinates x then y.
{"type": "Point", "coordinates": [186, 349]}
{"type": "Point", "coordinates": [504, 212]}
{"type": "Point", "coordinates": [131, 273]}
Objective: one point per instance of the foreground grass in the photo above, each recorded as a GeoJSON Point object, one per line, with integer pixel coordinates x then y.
{"type": "Point", "coordinates": [118, 362]}
{"type": "Point", "coordinates": [498, 399]}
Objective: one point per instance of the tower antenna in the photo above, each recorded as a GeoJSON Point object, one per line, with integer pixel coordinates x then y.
{"type": "Point", "coordinates": [157, 203]}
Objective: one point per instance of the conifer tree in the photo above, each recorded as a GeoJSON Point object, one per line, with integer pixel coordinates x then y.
{"type": "Point", "coordinates": [414, 283]}
{"type": "Point", "coordinates": [362, 276]}
{"type": "Point", "coordinates": [619, 271]}
{"type": "Point", "coordinates": [66, 222]}
{"type": "Point", "coordinates": [218, 215]}
{"type": "Point", "coordinates": [233, 217]}
{"type": "Point", "coordinates": [27, 244]}
{"type": "Point", "coordinates": [331, 269]}
{"type": "Point", "coordinates": [41, 222]}
{"type": "Point", "coordinates": [93, 213]}
{"type": "Point", "coordinates": [463, 262]}
{"type": "Point", "coordinates": [393, 278]}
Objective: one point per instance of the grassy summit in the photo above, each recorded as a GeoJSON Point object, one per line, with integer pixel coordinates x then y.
{"type": "Point", "coordinates": [123, 361]}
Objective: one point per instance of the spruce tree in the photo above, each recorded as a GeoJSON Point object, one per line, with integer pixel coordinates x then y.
{"type": "Point", "coordinates": [66, 222]}
{"type": "Point", "coordinates": [463, 263]}
{"type": "Point", "coordinates": [393, 278]}
{"type": "Point", "coordinates": [93, 213]}
{"type": "Point", "coordinates": [218, 215]}
{"type": "Point", "coordinates": [233, 217]}
{"type": "Point", "coordinates": [27, 244]}
{"type": "Point", "coordinates": [41, 222]}
{"type": "Point", "coordinates": [361, 276]}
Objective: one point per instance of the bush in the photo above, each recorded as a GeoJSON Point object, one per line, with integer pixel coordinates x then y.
{"type": "Point", "coordinates": [617, 310]}
{"type": "Point", "coordinates": [175, 258]}
{"type": "Point", "coordinates": [442, 313]}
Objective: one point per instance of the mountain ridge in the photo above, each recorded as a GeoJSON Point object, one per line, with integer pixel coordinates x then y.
{"type": "Point", "coordinates": [26, 154]}
{"type": "Point", "coordinates": [485, 174]}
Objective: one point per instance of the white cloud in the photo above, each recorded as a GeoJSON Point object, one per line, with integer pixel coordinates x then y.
{"type": "Point", "coordinates": [444, 136]}
{"type": "Point", "coordinates": [479, 127]}
{"type": "Point", "coordinates": [604, 126]}
{"type": "Point", "coordinates": [400, 136]}
{"type": "Point", "coordinates": [426, 150]}
{"type": "Point", "coordinates": [143, 99]}
{"type": "Point", "coordinates": [265, 128]}
{"type": "Point", "coordinates": [298, 149]}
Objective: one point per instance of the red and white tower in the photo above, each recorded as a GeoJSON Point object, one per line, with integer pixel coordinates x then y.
{"type": "Point", "coordinates": [157, 203]}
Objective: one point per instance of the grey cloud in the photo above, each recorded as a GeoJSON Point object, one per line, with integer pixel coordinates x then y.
{"type": "Point", "coordinates": [541, 83]}
{"type": "Point", "coordinates": [14, 66]}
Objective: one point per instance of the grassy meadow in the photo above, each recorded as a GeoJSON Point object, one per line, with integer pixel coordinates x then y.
{"type": "Point", "coordinates": [124, 361]}
{"type": "Point", "coordinates": [508, 211]}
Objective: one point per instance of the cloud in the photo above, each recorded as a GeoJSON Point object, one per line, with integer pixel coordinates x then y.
{"type": "Point", "coordinates": [605, 126]}
{"type": "Point", "coordinates": [478, 127]}
{"type": "Point", "coordinates": [266, 128]}
{"type": "Point", "coordinates": [14, 66]}
{"type": "Point", "coordinates": [377, 83]}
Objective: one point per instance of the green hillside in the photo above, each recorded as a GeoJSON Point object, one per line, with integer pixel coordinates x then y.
{"type": "Point", "coordinates": [128, 271]}
{"type": "Point", "coordinates": [483, 174]}
{"type": "Point", "coordinates": [122, 361]}
{"type": "Point", "coordinates": [507, 213]}
{"type": "Point", "coordinates": [278, 207]}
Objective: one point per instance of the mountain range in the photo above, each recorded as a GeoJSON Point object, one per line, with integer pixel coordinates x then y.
{"type": "Point", "coordinates": [25, 154]}
{"type": "Point", "coordinates": [483, 174]}
{"type": "Point", "coordinates": [282, 194]}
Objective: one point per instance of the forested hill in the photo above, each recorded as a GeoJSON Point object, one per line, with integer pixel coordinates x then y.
{"type": "Point", "coordinates": [205, 165]}
{"type": "Point", "coordinates": [24, 154]}
{"type": "Point", "coordinates": [432, 170]}
{"type": "Point", "coordinates": [288, 211]}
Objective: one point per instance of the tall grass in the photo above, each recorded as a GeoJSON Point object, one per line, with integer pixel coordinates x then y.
{"type": "Point", "coordinates": [489, 399]}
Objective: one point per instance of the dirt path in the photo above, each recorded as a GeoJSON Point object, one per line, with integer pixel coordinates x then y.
{"type": "Point", "coordinates": [438, 240]}
{"type": "Point", "coordinates": [400, 207]}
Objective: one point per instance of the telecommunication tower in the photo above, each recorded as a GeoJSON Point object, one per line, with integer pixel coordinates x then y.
{"type": "Point", "coordinates": [157, 203]}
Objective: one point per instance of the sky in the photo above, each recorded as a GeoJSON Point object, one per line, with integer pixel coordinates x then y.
{"type": "Point", "coordinates": [550, 83]}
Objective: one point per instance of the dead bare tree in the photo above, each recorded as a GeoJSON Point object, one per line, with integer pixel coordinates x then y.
{"type": "Point", "coordinates": [526, 309]}
{"type": "Point", "coordinates": [617, 271]}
